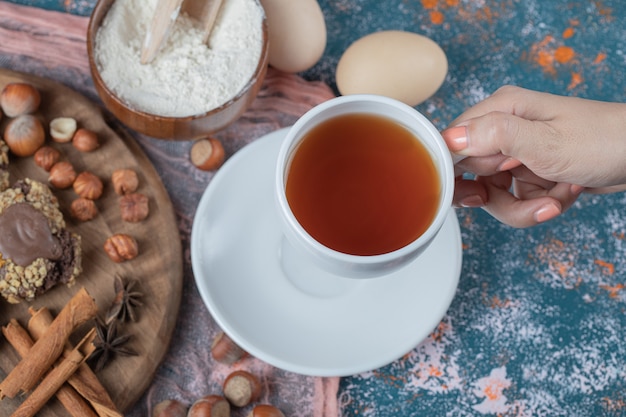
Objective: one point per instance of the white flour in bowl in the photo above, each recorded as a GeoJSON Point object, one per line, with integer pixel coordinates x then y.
{"type": "Point", "coordinates": [187, 77]}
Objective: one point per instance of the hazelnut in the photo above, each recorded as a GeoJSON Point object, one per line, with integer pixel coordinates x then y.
{"type": "Point", "coordinates": [46, 156]}
{"type": "Point", "coordinates": [170, 408]}
{"type": "Point", "coordinates": [62, 129]}
{"type": "Point", "coordinates": [85, 140]}
{"type": "Point", "coordinates": [241, 388]}
{"type": "Point", "coordinates": [224, 350]}
{"type": "Point", "coordinates": [210, 406]}
{"type": "Point", "coordinates": [19, 98]}
{"type": "Point", "coordinates": [83, 209]}
{"type": "Point", "coordinates": [24, 135]}
{"type": "Point", "coordinates": [125, 181]}
{"type": "Point", "coordinates": [134, 207]}
{"type": "Point", "coordinates": [265, 410]}
{"type": "Point", "coordinates": [62, 175]}
{"type": "Point", "coordinates": [121, 247]}
{"type": "Point", "coordinates": [88, 185]}
{"type": "Point", "coordinates": [207, 154]}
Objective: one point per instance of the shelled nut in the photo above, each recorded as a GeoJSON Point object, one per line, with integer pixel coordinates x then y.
{"type": "Point", "coordinates": [19, 98]}
{"type": "Point", "coordinates": [46, 156]}
{"type": "Point", "coordinates": [24, 135]}
{"type": "Point", "coordinates": [88, 185]}
{"type": "Point", "coordinates": [121, 247]}
{"type": "Point", "coordinates": [170, 408]}
{"type": "Point", "coordinates": [83, 209]}
{"type": "Point", "coordinates": [225, 350]}
{"type": "Point", "coordinates": [210, 406]}
{"type": "Point", "coordinates": [134, 207]}
{"type": "Point", "coordinates": [62, 129]}
{"type": "Point", "coordinates": [85, 140]}
{"type": "Point", "coordinates": [241, 388]}
{"type": "Point", "coordinates": [124, 181]}
{"type": "Point", "coordinates": [62, 175]}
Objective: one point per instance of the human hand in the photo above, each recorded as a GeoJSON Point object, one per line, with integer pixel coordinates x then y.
{"type": "Point", "coordinates": [533, 153]}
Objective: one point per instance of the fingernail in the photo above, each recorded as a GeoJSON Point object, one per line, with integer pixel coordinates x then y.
{"type": "Point", "coordinates": [472, 201]}
{"type": "Point", "coordinates": [546, 212]}
{"type": "Point", "coordinates": [456, 138]}
{"type": "Point", "coordinates": [508, 164]}
{"type": "Point", "coordinates": [576, 189]}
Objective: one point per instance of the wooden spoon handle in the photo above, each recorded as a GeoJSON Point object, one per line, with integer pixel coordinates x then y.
{"type": "Point", "coordinates": [164, 17]}
{"type": "Point", "coordinates": [205, 11]}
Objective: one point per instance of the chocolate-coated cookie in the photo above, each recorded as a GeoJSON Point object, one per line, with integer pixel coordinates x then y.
{"type": "Point", "coordinates": [36, 250]}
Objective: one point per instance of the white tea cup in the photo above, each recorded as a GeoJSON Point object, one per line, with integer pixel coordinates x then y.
{"type": "Point", "coordinates": [301, 244]}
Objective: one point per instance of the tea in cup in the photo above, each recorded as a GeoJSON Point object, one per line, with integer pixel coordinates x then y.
{"type": "Point", "coordinates": [363, 185]}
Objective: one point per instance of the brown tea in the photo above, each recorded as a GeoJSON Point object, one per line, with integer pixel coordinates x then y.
{"type": "Point", "coordinates": [362, 184]}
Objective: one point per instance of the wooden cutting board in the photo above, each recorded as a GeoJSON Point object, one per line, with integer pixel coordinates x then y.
{"type": "Point", "coordinates": [158, 268]}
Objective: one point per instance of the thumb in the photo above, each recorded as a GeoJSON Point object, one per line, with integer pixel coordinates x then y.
{"type": "Point", "coordinates": [496, 133]}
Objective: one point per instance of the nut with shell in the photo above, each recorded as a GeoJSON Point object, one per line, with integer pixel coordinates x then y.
{"type": "Point", "coordinates": [83, 209]}
{"type": "Point", "coordinates": [85, 140]}
{"type": "Point", "coordinates": [241, 388]}
{"type": "Point", "coordinates": [62, 175]}
{"type": "Point", "coordinates": [4, 154]}
{"type": "Point", "coordinates": [24, 135]}
{"type": "Point", "coordinates": [88, 185]}
{"type": "Point", "coordinates": [207, 154]}
{"type": "Point", "coordinates": [225, 350]}
{"type": "Point", "coordinates": [170, 408]}
{"type": "Point", "coordinates": [46, 157]}
{"type": "Point", "coordinates": [265, 410]}
{"type": "Point", "coordinates": [121, 247]}
{"type": "Point", "coordinates": [134, 207]}
{"type": "Point", "coordinates": [62, 129]}
{"type": "Point", "coordinates": [125, 181]}
{"type": "Point", "coordinates": [210, 406]}
{"type": "Point", "coordinates": [19, 98]}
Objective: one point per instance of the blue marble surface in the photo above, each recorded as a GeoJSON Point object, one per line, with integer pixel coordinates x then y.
{"type": "Point", "coordinates": [538, 322]}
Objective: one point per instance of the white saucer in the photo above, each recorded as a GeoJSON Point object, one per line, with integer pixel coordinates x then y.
{"type": "Point", "coordinates": [235, 245]}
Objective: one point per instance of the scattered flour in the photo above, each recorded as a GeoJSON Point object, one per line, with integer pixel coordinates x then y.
{"type": "Point", "coordinates": [187, 77]}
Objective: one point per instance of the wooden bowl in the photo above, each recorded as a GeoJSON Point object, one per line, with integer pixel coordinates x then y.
{"type": "Point", "coordinates": [173, 128]}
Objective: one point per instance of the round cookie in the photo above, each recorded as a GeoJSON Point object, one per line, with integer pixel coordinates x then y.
{"type": "Point", "coordinates": [4, 166]}
{"type": "Point", "coordinates": [36, 250]}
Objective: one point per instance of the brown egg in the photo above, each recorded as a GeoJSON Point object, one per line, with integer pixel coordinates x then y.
{"type": "Point", "coordinates": [297, 33]}
{"type": "Point", "coordinates": [401, 65]}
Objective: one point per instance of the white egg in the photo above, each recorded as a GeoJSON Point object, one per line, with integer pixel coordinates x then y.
{"type": "Point", "coordinates": [297, 33]}
{"type": "Point", "coordinates": [401, 65]}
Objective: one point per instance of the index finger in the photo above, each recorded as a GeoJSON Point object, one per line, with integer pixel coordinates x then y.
{"type": "Point", "coordinates": [527, 104]}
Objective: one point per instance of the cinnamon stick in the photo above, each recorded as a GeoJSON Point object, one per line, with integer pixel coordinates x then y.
{"type": "Point", "coordinates": [49, 347]}
{"type": "Point", "coordinates": [84, 380]}
{"type": "Point", "coordinates": [19, 338]}
{"type": "Point", "coordinates": [56, 378]}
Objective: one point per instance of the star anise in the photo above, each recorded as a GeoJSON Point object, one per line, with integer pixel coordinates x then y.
{"type": "Point", "coordinates": [125, 302]}
{"type": "Point", "coordinates": [108, 344]}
